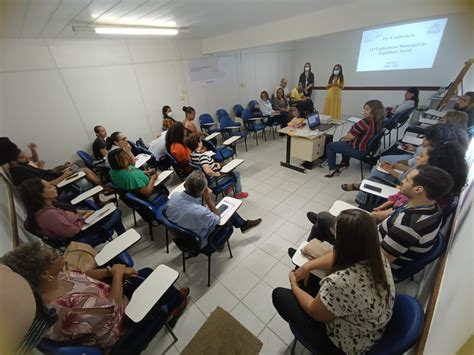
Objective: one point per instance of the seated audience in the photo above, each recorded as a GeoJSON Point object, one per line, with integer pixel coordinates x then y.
{"type": "Point", "coordinates": [125, 176]}
{"type": "Point", "coordinates": [266, 105]}
{"type": "Point", "coordinates": [303, 103]}
{"type": "Point", "coordinates": [411, 100]}
{"type": "Point", "coordinates": [99, 146]}
{"type": "Point", "coordinates": [91, 306]}
{"type": "Point", "coordinates": [284, 86]}
{"type": "Point", "coordinates": [118, 140]}
{"type": "Point", "coordinates": [190, 115]}
{"type": "Point", "coordinates": [455, 118]}
{"type": "Point", "coordinates": [406, 232]}
{"type": "Point", "coordinates": [158, 146]}
{"type": "Point", "coordinates": [21, 169]}
{"type": "Point", "coordinates": [175, 146]}
{"type": "Point", "coordinates": [210, 167]}
{"type": "Point", "coordinates": [186, 209]}
{"type": "Point", "coordinates": [59, 220]}
{"type": "Point", "coordinates": [255, 109]}
{"type": "Point", "coordinates": [347, 311]}
{"type": "Point", "coordinates": [280, 104]}
{"type": "Point", "coordinates": [466, 104]}
{"type": "Point", "coordinates": [354, 143]}
{"type": "Point", "coordinates": [168, 119]}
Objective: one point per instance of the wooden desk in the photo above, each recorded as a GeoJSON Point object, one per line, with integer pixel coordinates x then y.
{"type": "Point", "coordinates": [150, 291]}
{"type": "Point", "coordinates": [117, 246]}
{"type": "Point", "coordinates": [303, 144]}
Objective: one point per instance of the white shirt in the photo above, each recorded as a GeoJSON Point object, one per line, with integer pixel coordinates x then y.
{"type": "Point", "coordinates": [158, 146]}
{"type": "Point", "coordinates": [266, 107]}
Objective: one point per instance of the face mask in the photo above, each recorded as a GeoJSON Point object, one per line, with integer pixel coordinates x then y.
{"type": "Point", "coordinates": [306, 69]}
{"type": "Point", "coordinates": [170, 114]}
{"type": "Point", "coordinates": [336, 72]}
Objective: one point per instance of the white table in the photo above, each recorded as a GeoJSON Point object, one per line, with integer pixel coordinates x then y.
{"type": "Point", "coordinates": [233, 205]}
{"type": "Point", "coordinates": [377, 189]}
{"type": "Point", "coordinates": [141, 159]}
{"type": "Point", "coordinates": [339, 206]}
{"type": "Point", "coordinates": [150, 291]}
{"type": "Point", "coordinates": [231, 140]}
{"type": "Point", "coordinates": [163, 176]}
{"type": "Point", "coordinates": [72, 178]}
{"type": "Point", "coordinates": [231, 165]}
{"type": "Point", "coordinates": [208, 124]}
{"type": "Point", "coordinates": [99, 215]}
{"type": "Point", "coordinates": [299, 259]}
{"type": "Point", "coordinates": [212, 136]}
{"type": "Point", "coordinates": [117, 246]}
{"type": "Point", "coordinates": [87, 194]}
{"type": "Point", "coordinates": [435, 113]}
{"type": "Point", "coordinates": [178, 188]}
{"type": "Point", "coordinates": [412, 140]}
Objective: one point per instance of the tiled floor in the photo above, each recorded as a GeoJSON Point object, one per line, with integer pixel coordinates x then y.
{"type": "Point", "coordinates": [243, 285]}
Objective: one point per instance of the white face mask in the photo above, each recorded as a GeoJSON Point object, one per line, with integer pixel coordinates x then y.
{"type": "Point", "coordinates": [306, 69]}
{"type": "Point", "coordinates": [170, 114]}
{"type": "Point", "coordinates": [336, 72]}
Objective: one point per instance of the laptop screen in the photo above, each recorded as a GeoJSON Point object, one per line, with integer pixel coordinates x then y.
{"type": "Point", "coordinates": [313, 120]}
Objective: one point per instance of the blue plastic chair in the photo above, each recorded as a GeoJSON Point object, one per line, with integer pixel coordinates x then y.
{"type": "Point", "coordinates": [222, 153]}
{"type": "Point", "coordinates": [238, 109]}
{"type": "Point", "coordinates": [221, 112]}
{"type": "Point", "coordinates": [206, 119]}
{"type": "Point", "coordinates": [149, 211]}
{"type": "Point", "coordinates": [372, 148]}
{"type": "Point", "coordinates": [416, 266]}
{"type": "Point", "coordinates": [251, 104]}
{"type": "Point", "coordinates": [400, 335]}
{"type": "Point", "coordinates": [177, 167]}
{"type": "Point", "coordinates": [393, 122]}
{"type": "Point", "coordinates": [253, 126]}
{"type": "Point", "coordinates": [188, 242]}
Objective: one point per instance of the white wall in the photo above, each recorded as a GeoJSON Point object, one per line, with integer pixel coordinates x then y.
{"type": "Point", "coordinates": [325, 51]}
{"type": "Point", "coordinates": [55, 91]}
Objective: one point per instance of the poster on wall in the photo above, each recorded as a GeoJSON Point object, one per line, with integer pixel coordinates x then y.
{"type": "Point", "coordinates": [208, 71]}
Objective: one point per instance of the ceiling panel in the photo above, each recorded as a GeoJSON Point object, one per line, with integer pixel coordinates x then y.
{"type": "Point", "coordinates": [37, 16]}
{"type": "Point", "coordinates": [54, 18]}
{"type": "Point", "coordinates": [62, 17]}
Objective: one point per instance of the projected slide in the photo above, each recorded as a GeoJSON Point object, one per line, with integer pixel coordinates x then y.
{"type": "Point", "coordinates": [411, 46]}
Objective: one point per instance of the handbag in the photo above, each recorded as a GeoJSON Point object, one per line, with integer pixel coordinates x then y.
{"type": "Point", "coordinates": [80, 257]}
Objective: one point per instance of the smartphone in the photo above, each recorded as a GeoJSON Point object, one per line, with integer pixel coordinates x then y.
{"type": "Point", "coordinates": [222, 208]}
{"type": "Point", "coordinates": [373, 188]}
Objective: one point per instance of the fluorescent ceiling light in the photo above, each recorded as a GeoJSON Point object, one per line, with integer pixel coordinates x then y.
{"type": "Point", "coordinates": [116, 30]}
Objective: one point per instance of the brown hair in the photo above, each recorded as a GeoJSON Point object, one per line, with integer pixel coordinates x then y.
{"type": "Point", "coordinates": [192, 141]}
{"type": "Point", "coordinates": [264, 93]}
{"type": "Point", "coordinates": [457, 118]}
{"type": "Point", "coordinates": [357, 240]}
{"type": "Point", "coordinates": [377, 111]}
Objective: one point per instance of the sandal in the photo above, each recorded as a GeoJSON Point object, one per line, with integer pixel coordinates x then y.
{"type": "Point", "coordinates": [350, 187]}
{"type": "Point", "coordinates": [334, 172]}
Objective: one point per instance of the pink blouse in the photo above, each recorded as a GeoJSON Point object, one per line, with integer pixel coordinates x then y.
{"type": "Point", "coordinates": [58, 223]}
{"type": "Point", "coordinates": [86, 315]}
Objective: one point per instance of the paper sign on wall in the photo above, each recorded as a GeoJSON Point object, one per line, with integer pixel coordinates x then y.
{"type": "Point", "coordinates": [207, 71]}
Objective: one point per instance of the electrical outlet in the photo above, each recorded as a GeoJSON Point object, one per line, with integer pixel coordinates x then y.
{"type": "Point", "coordinates": [182, 97]}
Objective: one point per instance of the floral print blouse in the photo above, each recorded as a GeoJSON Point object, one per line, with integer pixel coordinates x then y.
{"type": "Point", "coordinates": [86, 315]}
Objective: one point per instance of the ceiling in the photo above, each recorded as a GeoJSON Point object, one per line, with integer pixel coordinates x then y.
{"type": "Point", "coordinates": [32, 19]}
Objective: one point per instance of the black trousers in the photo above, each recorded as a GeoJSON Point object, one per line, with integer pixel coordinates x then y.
{"type": "Point", "coordinates": [309, 330]}
{"type": "Point", "coordinates": [321, 230]}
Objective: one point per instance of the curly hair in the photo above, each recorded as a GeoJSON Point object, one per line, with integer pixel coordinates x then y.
{"type": "Point", "coordinates": [28, 260]}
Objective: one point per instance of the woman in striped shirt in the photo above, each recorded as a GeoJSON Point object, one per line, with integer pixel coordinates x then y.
{"type": "Point", "coordinates": [354, 143]}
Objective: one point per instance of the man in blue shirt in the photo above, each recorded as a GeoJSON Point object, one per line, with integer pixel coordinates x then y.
{"type": "Point", "coordinates": [186, 209]}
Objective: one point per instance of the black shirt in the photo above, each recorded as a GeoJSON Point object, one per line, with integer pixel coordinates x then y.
{"type": "Point", "coordinates": [302, 80]}
{"type": "Point", "coordinates": [97, 146]}
{"type": "Point", "coordinates": [21, 173]}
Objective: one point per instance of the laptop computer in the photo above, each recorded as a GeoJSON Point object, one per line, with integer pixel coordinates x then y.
{"type": "Point", "coordinates": [314, 122]}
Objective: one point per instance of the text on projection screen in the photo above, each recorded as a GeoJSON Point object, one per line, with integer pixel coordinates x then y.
{"type": "Point", "coordinates": [410, 46]}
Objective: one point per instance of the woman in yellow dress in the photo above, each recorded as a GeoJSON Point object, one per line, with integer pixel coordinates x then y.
{"type": "Point", "coordinates": [333, 102]}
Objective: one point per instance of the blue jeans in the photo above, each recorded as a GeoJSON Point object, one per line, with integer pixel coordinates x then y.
{"type": "Point", "coordinates": [344, 149]}
{"type": "Point", "coordinates": [234, 175]}
{"type": "Point", "coordinates": [138, 335]}
{"type": "Point", "coordinates": [237, 221]}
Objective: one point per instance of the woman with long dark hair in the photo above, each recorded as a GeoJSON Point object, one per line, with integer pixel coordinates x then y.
{"type": "Point", "coordinates": [347, 311]}
{"type": "Point", "coordinates": [175, 145]}
{"type": "Point", "coordinates": [411, 100]}
{"type": "Point", "coordinates": [55, 219]}
{"type": "Point", "coordinates": [307, 80]}
{"type": "Point", "coordinates": [168, 119]}
{"type": "Point", "coordinates": [333, 102]}
{"type": "Point", "coordinates": [354, 143]}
